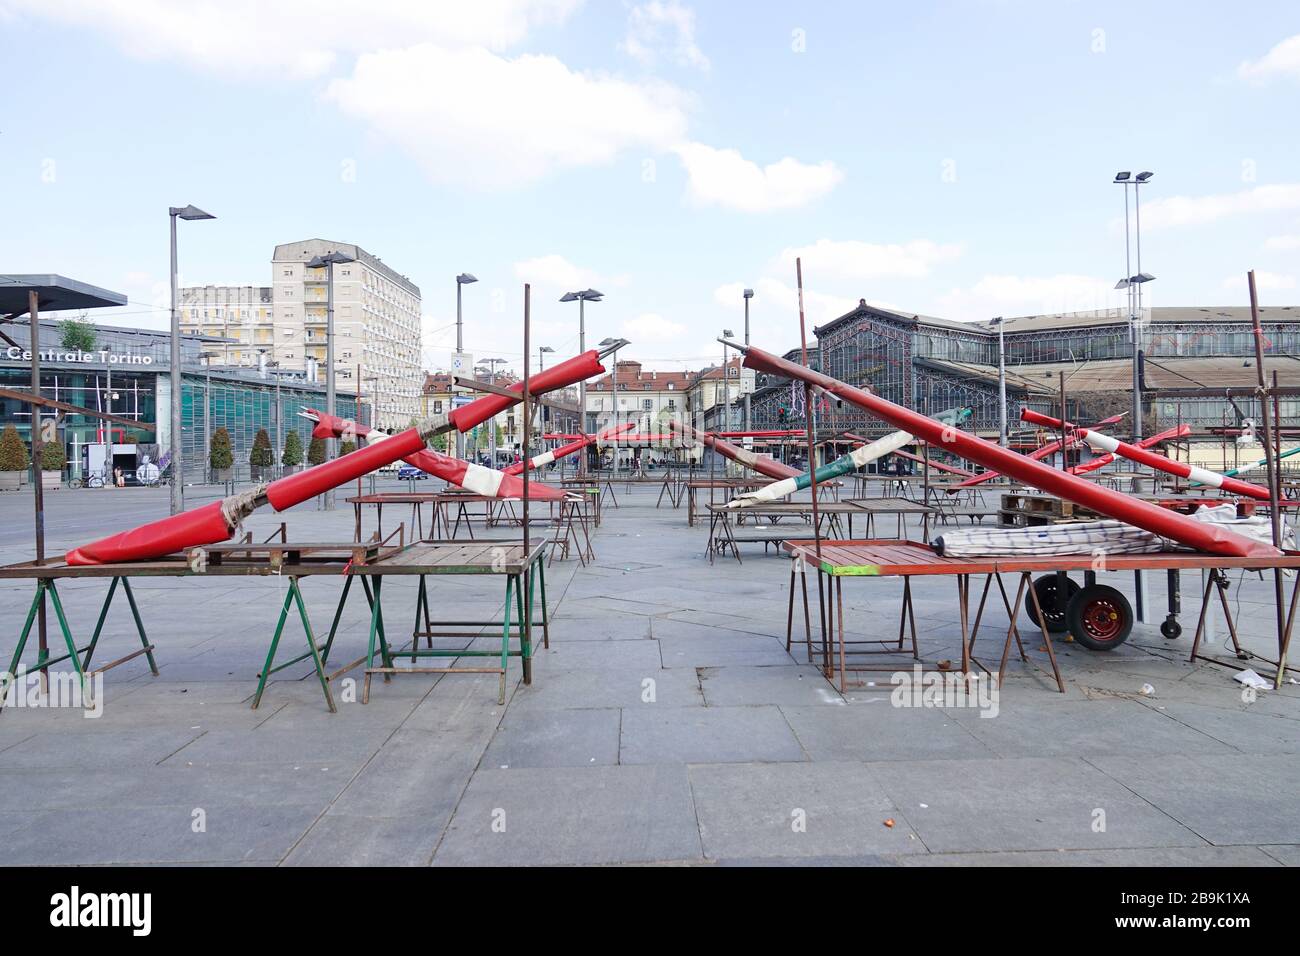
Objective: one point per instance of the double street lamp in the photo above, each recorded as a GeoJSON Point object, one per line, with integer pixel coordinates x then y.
{"type": "Point", "coordinates": [582, 298]}
{"type": "Point", "coordinates": [749, 294]}
{"type": "Point", "coordinates": [177, 487]}
{"type": "Point", "coordinates": [1133, 283]}
{"type": "Point", "coordinates": [462, 280]}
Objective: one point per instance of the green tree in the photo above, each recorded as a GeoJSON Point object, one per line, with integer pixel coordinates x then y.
{"type": "Point", "coordinates": [316, 451]}
{"type": "Point", "coordinates": [77, 334]}
{"type": "Point", "coordinates": [53, 457]}
{"type": "Point", "coordinates": [220, 455]}
{"type": "Point", "coordinates": [261, 455]}
{"type": "Point", "coordinates": [13, 451]}
{"type": "Point", "coordinates": [292, 454]}
{"type": "Point", "coordinates": [347, 447]}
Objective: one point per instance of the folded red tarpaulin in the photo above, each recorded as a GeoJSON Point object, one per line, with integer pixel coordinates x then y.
{"type": "Point", "coordinates": [1135, 511]}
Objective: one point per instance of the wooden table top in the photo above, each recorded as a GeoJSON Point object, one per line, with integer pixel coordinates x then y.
{"type": "Point", "coordinates": [891, 506]}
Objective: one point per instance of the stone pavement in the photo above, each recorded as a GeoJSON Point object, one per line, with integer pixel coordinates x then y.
{"type": "Point", "coordinates": [665, 724]}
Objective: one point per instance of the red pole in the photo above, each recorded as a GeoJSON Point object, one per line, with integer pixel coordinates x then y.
{"type": "Point", "coordinates": [1135, 511]}
{"type": "Point", "coordinates": [1149, 458]}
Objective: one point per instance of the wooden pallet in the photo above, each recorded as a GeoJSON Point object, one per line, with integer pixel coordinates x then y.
{"type": "Point", "coordinates": [1027, 511]}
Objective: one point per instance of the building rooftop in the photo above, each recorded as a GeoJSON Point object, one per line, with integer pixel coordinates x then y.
{"type": "Point", "coordinates": [1105, 375]}
{"type": "Point", "coordinates": [306, 249]}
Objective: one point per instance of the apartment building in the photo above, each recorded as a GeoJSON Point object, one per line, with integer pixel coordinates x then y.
{"type": "Point", "coordinates": [646, 397]}
{"type": "Point", "coordinates": [240, 313]}
{"type": "Point", "coordinates": [376, 324]}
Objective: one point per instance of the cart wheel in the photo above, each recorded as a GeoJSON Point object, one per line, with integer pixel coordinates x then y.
{"type": "Point", "coordinates": [1171, 629]}
{"type": "Point", "coordinates": [1099, 617]}
{"type": "Point", "coordinates": [1045, 588]}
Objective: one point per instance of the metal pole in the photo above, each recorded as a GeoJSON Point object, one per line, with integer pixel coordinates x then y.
{"type": "Point", "coordinates": [34, 311]}
{"type": "Point", "coordinates": [1002, 386]}
{"type": "Point", "coordinates": [748, 421]}
{"type": "Point", "coordinates": [331, 444]}
{"type": "Point", "coordinates": [177, 485]}
{"type": "Point", "coordinates": [492, 422]}
{"type": "Point", "coordinates": [582, 386]}
{"type": "Point", "coordinates": [207, 405]}
{"type": "Point", "coordinates": [460, 350]}
{"type": "Point", "coordinates": [1137, 326]}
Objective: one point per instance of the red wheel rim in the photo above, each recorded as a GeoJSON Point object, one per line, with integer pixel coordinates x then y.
{"type": "Point", "coordinates": [1102, 619]}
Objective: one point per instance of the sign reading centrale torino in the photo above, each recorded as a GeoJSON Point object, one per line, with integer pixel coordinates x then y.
{"type": "Point", "coordinates": [15, 354]}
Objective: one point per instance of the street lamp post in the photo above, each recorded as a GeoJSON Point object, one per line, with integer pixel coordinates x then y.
{"type": "Point", "coordinates": [726, 388]}
{"type": "Point", "coordinates": [749, 294]}
{"type": "Point", "coordinates": [541, 366]}
{"type": "Point", "coordinates": [462, 280]}
{"type": "Point", "coordinates": [605, 343]}
{"type": "Point", "coordinates": [1002, 384]}
{"type": "Point", "coordinates": [1133, 286]}
{"type": "Point", "coordinates": [582, 298]}
{"type": "Point", "coordinates": [328, 261]}
{"type": "Point", "coordinates": [177, 487]}
{"type": "Point", "coordinates": [492, 422]}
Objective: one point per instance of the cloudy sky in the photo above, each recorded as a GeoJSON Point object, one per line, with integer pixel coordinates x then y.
{"type": "Point", "coordinates": [944, 158]}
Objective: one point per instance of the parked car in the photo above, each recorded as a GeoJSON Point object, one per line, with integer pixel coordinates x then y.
{"type": "Point", "coordinates": [411, 473]}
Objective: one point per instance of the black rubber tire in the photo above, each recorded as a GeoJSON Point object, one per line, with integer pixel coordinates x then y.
{"type": "Point", "coordinates": [1045, 588]}
{"type": "Point", "coordinates": [1171, 629]}
{"type": "Point", "coordinates": [1099, 617]}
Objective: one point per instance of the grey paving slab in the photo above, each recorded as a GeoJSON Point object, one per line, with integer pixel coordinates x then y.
{"type": "Point", "coordinates": [1047, 803]}
{"type": "Point", "coordinates": [591, 626]}
{"type": "Point", "coordinates": [566, 689]}
{"type": "Point", "coordinates": [567, 816]}
{"type": "Point", "coordinates": [1227, 799]}
{"type": "Point", "coordinates": [707, 735]}
{"type": "Point", "coordinates": [108, 749]}
{"type": "Point", "coordinates": [556, 738]}
{"type": "Point", "coordinates": [766, 685]}
{"type": "Point", "coordinates": [342, 839]}
{"type": "Point", "coordinates": [1102, 726]}
{"type": "Point", "coordinates": [692, 646]}
{"type": "Point", "coordinates": [627, 656]}
{"type": "Point", "coordinates": [414, 772]}
{"type": "Point", "coordinates": [879, 731]}
{"type": "Point", "coordinates": [1173, 856]}
{"type": "Point", "coordinates": [1287, 855]}
{"type": "Point", "coordinates": [1244, 727]}
{"type": "Point", "coordinates": [343, 747]}
{"type": "Point", "coordinates": [162, 835]}
{"type": "Point", "coordinates": [757, 811]}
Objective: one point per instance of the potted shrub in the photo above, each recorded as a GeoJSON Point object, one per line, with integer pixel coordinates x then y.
{"type": "Point", "coordinates": [13, 459]}
{"type": "Point", "coordinates": [262, 457]}
{"type": "Point", "coordinates": [346, 448]}
{"type": "Point", "coordinates": [291, 457]}
{"type": "Point", "coordinates": [53, 460]}
{"type": "Point", "coordinates": [316, 451]}
{"type": "Point", "coordinates": [220, 457]}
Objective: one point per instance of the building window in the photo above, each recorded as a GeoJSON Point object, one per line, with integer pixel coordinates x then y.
{"type": "Point", "coordinates": [437, 408]}
{"type": "Point", "coordinates": [648, 405]}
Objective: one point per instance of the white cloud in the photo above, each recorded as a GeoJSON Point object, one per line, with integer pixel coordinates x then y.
{"type": "Point", "coordinates": [556, 273]}
{"type": "Point", "coordinates": [775, 308]}
{"type": "Point", "coordinates": [1199, 210]}
{"type": "Point", "coordinates": [650, 327]}
{"type": "Point", "coordinates": [239, 37]}
{"type": "Point", "coordinates": [470, 116]}
{"type": "Point", "coordinates": [723, 177]}
{"type": "Point", "coordinates": [1282, 243]}
{"type": "Point", "coordinates": [656, 29]}
{"type": "Point", "coordinates": [1012, 295]}
{"type": "Point", "coordinates": [855, 260]}
{"type": "Point", "coordinates": [1282, 60]}
{"type": "Point", "coordinates": [1264, 281]}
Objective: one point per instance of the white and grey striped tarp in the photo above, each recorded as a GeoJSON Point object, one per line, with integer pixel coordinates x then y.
{"type": "Point", "coordinates": [1090, 537]}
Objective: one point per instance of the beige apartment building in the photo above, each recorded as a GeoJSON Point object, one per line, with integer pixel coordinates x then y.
{"type": "Point", "coordinates": [376, 325]}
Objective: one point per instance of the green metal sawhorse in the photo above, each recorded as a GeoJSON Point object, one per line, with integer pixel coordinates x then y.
{"type": "Point", "coordinates": [47, 586]}
{"type": "Point", "coordinates": [534, 574]}
{"type": "Point", "coordinates": [319, 653]}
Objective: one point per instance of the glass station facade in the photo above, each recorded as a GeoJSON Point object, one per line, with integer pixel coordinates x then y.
{"type": "Point", "coordinates": [128, 375]}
